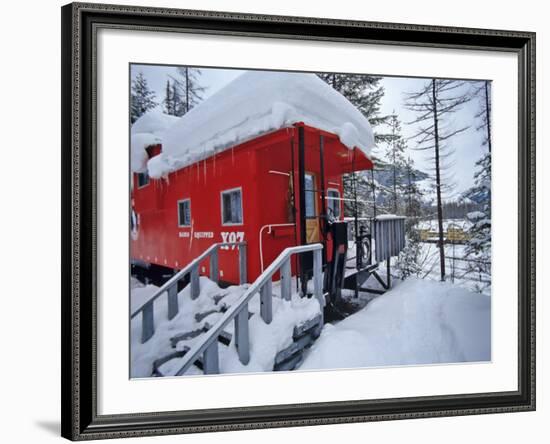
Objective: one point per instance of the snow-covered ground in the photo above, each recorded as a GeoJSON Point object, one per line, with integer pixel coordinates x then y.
{"type": "Point", "coordinates": [416, 322]}
{"type": "Point", "coordinates": [432, 224]}
{"type": "Point", "coordinates": [457, 269]}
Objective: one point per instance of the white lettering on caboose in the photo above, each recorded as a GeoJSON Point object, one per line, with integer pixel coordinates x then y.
{"type": "Point", "coordinates": [231, 237]}
{"type": "Point", "coordinates": [203, 234]}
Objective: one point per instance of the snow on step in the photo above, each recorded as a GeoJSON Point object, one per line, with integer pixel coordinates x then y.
{"type": "Point", "coordinates": [254, 104]}
{"type": "Point", "coordinates": [143, 355]}
{"type": "Point", "coordinates": [266, 341]}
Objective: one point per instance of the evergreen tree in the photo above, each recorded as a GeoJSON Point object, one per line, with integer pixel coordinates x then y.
{"type": "Point", "coordinates": [365, 93]}
{"type": "Point", "coordinates": [409, 261]}
{"type": "Point", "coordinates": [395, 155]}
{"type": "Point", "coordinates": [433, 103]}
{"type": "Point", "coordinates": [412, 193]}
{"type": "Point", "coordinates": [478, 248]}
{"type": "Point", "coordinates": [142, 99]}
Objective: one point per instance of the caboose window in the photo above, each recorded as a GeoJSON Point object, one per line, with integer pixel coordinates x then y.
{"type": "Point", "coordinates": [232, 207]}
{"type": "Point", "coordinates": [184, 213]}
{"type": "Point", "coordinates": [333, 203]}
{"type": "Point", "coordinates": [310, 195]}
{"type": "Point", "coordinates": [142, 179]}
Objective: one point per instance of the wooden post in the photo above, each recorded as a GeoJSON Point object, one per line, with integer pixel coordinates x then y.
{"type": "Point", "coordinates": [147, 322]}
{"type": "Point", "coordinates": [266, 302]}
{"type": "Point", "coordinates": [241, 335]}
{"type": "Point", "coordinates": [318, 277]}
{"type": "Point", "coordinates": [214, 268]}
{"type": "Point", "coordinates": [195, 282]}
{"type": "Point", "coordinates": [211, 364]}
{"type": "Point", "coordinates": [242, 264]}
{"type": "Point", "coordinates": [286, 280]}
{"type": "Point", "coordinates": [173, 307]}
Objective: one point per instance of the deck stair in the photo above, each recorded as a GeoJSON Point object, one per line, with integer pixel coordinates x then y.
{"type": "Point", "coordinates": [199, 348]}
{"type": "Point", "coordinates": [224, 340]}
{"type": "Point", "coordinates": [304, 336]}
{"type": "Point", "coordinates": [207, 346]}
{"type": "Point", "coordinates": [170, 288]}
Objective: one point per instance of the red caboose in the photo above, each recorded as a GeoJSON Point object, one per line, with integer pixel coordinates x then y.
{"type": "Point", "coordinates": [260, 161]}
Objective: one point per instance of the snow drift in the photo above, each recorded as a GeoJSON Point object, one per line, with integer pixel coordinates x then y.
{"type": "Point", "coordinates": [417, 322]}
{"type": "Point", "coordinates": [257, 103]}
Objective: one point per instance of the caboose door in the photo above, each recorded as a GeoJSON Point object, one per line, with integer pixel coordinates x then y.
{"type": "Point", "coordinates": [312, 221]}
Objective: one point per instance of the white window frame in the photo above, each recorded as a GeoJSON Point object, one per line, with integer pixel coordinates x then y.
{"type": "Point", "coordinates": [190, 214]}
{"type": "Point", "coordinates": [329, 199]}
{"type": "Point", "coordinates": [314, 194]}
{"type": "Point", "coordinates": [232, 190]}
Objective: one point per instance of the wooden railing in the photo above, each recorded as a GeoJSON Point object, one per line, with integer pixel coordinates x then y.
{"type": "Point", "coordinates": [170, 288]}
{"type": "Point", "coordinates": [207, 346]}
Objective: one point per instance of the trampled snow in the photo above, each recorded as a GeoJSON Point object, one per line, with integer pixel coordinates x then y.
{"type": "Point", "coordinates": [257, 103]}
{"type": "Point", "coordinates": [416, 322]}
{"type": "Point", "coordinates": [146, 131]}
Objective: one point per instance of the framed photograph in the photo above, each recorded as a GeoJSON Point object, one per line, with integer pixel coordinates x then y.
{"type": "Point", "coordinates": [276, 221]}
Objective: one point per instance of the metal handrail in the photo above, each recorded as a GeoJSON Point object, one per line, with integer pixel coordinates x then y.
{"type": "Point", "coordinates": [238, 312]}
{"type": "Point", "coordinates": [170, 286]}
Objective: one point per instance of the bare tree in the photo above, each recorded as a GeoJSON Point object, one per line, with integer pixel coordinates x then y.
{"type": "Point", "coordinates": [433, 104]}
{"type": "Point", "coordinates": [187, 90]}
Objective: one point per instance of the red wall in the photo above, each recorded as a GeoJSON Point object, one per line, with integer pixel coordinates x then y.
{"type": "Point", "coordinates": [265, 196]}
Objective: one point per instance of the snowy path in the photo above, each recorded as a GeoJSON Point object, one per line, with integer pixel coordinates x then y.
{"type": "Point", "coordinates": [417, 322]}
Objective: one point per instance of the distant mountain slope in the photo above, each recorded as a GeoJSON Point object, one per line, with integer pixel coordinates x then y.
{"type": "Point", "coordinates": [383, 174]}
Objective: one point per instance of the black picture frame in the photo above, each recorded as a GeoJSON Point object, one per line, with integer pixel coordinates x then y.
{"type": "Point", "coordinates": [79, 209]}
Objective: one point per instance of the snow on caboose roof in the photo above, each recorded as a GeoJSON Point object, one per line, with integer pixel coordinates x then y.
{"type": "Point", "coordinates": [147, 131]}
{"type": "Point", "coordinates": [254, 104]}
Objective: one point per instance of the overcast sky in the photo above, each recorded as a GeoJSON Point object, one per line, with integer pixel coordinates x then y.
{"type": "Point", "coordinates": [467, 145]}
